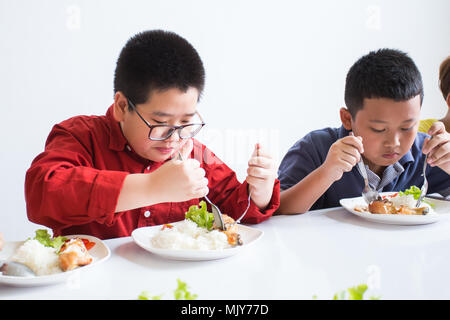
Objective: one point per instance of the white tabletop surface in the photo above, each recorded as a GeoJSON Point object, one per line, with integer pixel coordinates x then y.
{"type": "Point", "coordinates": [314, 254]}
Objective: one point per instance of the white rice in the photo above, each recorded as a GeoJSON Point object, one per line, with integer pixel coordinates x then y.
{"type": "Point", "coordinates": [187, 235]}
{"type": "Point", "coordinates": [39, 258]}
{"type": "Point", "coordinates": [404, 200]}
{"type": "Point", "coordinates": [408, 201]}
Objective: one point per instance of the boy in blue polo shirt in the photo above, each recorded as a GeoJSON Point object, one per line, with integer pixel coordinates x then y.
{"type": "Point", "coordinates": [383, 95]}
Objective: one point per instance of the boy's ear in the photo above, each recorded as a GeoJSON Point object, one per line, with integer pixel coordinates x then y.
{"type": "Point", "coordinates": [346, 118]}
{"type": "Point", "coordinates": [120, 106]}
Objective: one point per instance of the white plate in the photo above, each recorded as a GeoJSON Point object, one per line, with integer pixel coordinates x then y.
{"type": "Point", "coordinates": [440, 207]}
{"type": "Point", "coordinates": [142, 237]}
{"type": "Point", "coordinates": [100, 252]}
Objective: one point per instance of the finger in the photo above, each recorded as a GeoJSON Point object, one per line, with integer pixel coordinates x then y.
{"type": "Point", "coordinates": [191, 164]}
{"type": "Point", "coordinates": [199, 173]}
{"type": "Point", "coordinates": [349, 159]}
{"type": "Point", "coordinates": [435, 142]}
{"type": "Point", "coordinates": [186, 149]}
{"type": "Point", "coordinates": [261, 162]}
{"type": "Point", "coordinates": [254, 181]}
{"type": "Point", "coordinates": [261, 151]}
{"type": "Point", "coordinates": [256, 150]}
{"type": "Point", "coordinates": [200, 192]}
{"type": "Point", "coordinates": [353, 141]}
{"type": "Point", "coordinates": [258, 172]}
{"type": "Point", "coordinates": [438, 152]}
{"type": "Point", "coordinates": [436, 128]}
{"type": "Point", "coordinates": [348, 150]}
{"type": "Point", "coordinates": [444, 160]}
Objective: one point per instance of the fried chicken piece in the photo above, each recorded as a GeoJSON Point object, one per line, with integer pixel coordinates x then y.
{"type": "Point", "coordinates": [382, 207]}
{"type": "Point", "coordinates": [387, 207]}
{"type": "Point", "coordinates": [413, 211]}
{"type": "Point", "coordinates": [74, 254]}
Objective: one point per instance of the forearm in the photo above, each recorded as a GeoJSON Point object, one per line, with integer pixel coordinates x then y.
{"type": "Point", "coordinates": [301, 197]}
{"type": "Point", "coordinates": [137, 191]}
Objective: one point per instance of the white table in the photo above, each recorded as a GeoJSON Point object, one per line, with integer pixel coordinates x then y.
{"type": "Point", "coordinates": [315, 254]}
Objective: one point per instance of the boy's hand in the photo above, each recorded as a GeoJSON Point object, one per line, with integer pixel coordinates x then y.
{"type": "Point", "coordinates": [180, 180]}
{"type": "Point", "coordinates": [343, 155]}
{"type": "Point", "coordinates": [438, 148]}
{"type": "Point", "coordinates": [261, 174]}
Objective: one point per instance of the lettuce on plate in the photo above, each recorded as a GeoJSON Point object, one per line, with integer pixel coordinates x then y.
{"type": "Point", "coordinates": [415, 192]}
{"type": "Point", "coordinates": [200, 215]}
{"type": "Point", "coordinates": [45, 239]}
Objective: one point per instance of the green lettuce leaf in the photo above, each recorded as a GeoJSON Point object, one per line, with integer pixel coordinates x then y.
{"type": "Point", "coordinates": [44, 238]}
{"type": "Point", "coordinates": [415, 191]}
{"type": "Point", "coordinates": [181, 292]}
{"type": "Point", "coordinates": [145, 295]}
{"type": "Point", "coordinates": [200, 215]}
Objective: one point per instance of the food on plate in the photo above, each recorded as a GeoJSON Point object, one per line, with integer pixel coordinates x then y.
{"type": "Point", "coordinates": [403, 202]}
{"type": "Point", "coordinates": [198, 232]}
{"type": "Point", "coordinates": [45, 255]}
{"type": "Point", "coordinates": [74, 254]}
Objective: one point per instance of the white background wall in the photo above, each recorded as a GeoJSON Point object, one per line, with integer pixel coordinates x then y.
{"type": "Point", "coordinates": [275, 69]}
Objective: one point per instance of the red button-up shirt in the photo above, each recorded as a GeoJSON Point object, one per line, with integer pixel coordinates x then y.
{"type": "Point", "coordinates": [73, 186]}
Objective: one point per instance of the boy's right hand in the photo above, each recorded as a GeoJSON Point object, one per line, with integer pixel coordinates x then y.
{"type": "Point", "coordinates": [180, 180]}
{"type": "Point", "coordinates": [343, 155]}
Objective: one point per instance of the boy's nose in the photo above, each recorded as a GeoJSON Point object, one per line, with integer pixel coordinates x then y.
{"type": "Point", "coordinates": [392, 140]}
{"type": "Point", "coordinates": [174, 137]}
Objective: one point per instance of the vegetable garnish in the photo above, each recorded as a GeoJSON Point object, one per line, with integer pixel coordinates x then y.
{"type": "Point", "coordinates": [169, 226]}
{"type": "Point", "coordinates": [88, 244]}
{"type": "Point", "coordinates": [180, 293]}
{"type": "Point", "coordinates": [354, 293]}
{"type": "Point", "coordinates": [415, 191]}
{"type": "Point", "coordinates": [201, 216]}
{"type": "Point", "coordinates": [44, 238]}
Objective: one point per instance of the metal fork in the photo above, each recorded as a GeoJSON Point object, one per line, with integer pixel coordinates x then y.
{"type": "Point", "coordinates": [245, 212]}
{"type": "Point", "coordinates": [218, 221]}
{"type": "Point", "coordinates": [215, 210]}
{"type": "Point", "coordinates": [424, 189]}
{"type": "Point", "coordinates": [249, 195]}
{"type": "Point", "coordinates": [368, 193]}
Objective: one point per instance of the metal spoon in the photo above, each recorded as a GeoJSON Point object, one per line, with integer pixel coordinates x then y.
{"type": "Point", "coordinates": [15, 269]}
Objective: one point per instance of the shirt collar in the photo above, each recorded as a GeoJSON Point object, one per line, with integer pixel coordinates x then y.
{"type": "Point", "coordinates": [389, 174]}
{"type": "Point", "coordinates": [117, 141]}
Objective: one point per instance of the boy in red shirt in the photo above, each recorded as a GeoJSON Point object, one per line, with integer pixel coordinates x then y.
{"type": "Point", "coordinates": [138, 165]}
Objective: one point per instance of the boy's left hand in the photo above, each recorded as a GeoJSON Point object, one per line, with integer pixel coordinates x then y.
{"type": "Point", "coordinates": [261, 175]}
{"type": "Point", "coordinates": [438, 148]}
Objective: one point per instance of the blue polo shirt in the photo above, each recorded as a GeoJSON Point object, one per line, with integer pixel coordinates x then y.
{"type": "Point", "coordinates": [310, 152]}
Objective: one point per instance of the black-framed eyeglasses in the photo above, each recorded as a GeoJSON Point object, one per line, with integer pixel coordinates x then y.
{"type": "Point", "coordinates": [162, 132]}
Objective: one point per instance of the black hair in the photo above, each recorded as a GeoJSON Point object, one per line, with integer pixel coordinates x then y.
{"type": "Point", "coordinates": [157, 60]}
{"type": "Point", "coordinates": [385, 73]}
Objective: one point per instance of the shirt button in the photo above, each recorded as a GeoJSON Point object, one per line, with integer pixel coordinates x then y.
{"type": "Point", "coordinates": [147, 213]}
{"type": "Point", "coordinates": [128, 148]}
{"type": "Point", "coordinates": [148, 168]}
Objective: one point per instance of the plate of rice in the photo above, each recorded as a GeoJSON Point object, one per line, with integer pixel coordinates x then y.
{"type": "Point", "coordinates": [185, 240]}
{"type": "Point", "coordinates": [44, 261]}
{"type": "Point", "coordinates": [435, 209]}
